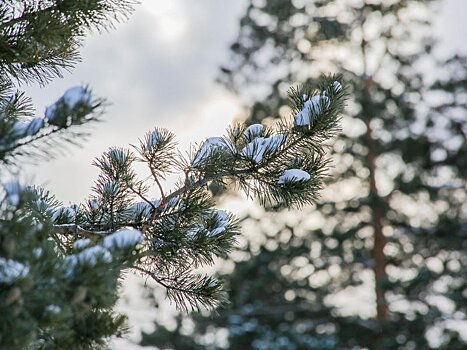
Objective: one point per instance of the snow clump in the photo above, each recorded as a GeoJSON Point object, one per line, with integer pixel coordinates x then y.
{"type": "Point", "coordinates": [152, 139]}
{"type": "Point", "coordinates": [13, 192]}
{"type": "Point", "coordinates": [222, 221]}
{"type": "Point", "coordinates": [70, 99]}
{"type": "Point", "coordinates": [122, 239]}
{"type": "Point", "coordinates": [293, 175]}
{"type": "Point", "coordinates": [311, 108]}
{"type": "Point", "coordinates": [90, 256]}
{"type": "Point", "coordinates": [53, 309]}
{"type": "Point", "coordinates": [67, 213]}
{"type": "Point", "coordinates": [253, 131]}
{"type": "Point", "coordinates": [141, 210]}
{"type": "Point", "coordinates": [260, 146]}
{"type": "Point", "coordinates": [337, 86]}
{"type": "Point", "coordinates": [118, 155]}
{"type": "Point", "coordinates": [37, 252]}
{"type": "Point", "coordinates": [211, 145]}
{"type": "Point", "coordinates": [82, 243]}
{"type": "Point", "coordinates": [12, 270]}
{"type": "Point", "coordinates": [28, 128]}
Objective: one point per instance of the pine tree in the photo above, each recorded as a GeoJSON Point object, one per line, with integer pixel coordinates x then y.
{"type": "Point", "coordinates": [394, 226]}
{"type": "Point", "coordinates": [60, 266]}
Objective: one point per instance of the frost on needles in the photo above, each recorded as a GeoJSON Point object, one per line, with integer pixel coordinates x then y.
{"type": "Point", "coordinates": [181, 230]}
{"type": "Point", "coordinates": [60, 266]}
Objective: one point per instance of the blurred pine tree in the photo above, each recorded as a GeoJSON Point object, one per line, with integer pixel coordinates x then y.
{"type": "Point", "coordinates": [381, 263]}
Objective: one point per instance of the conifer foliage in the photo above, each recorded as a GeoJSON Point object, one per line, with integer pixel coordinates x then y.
{"type": "Point", "coordinates": [282, 166]}
{"type": "Point", "coordinates": [60, 266]}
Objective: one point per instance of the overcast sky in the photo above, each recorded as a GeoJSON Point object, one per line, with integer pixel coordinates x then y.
{"type": "Point", "coordinates": [158, 69]}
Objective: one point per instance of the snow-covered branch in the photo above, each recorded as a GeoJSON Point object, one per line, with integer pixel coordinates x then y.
{"type": "Point", "coordinates": [282, 166]}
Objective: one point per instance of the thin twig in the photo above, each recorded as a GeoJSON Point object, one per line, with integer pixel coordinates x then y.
{"type": "Point", "coordinates": [160, 280]}
{"type": "Point", "coordinates": [76, 229]}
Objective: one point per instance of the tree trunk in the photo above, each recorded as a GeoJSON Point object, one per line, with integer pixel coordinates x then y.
{"type": "Point", "coordinates": [379, 259]}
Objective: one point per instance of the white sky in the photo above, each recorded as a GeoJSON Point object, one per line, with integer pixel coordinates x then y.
{"type": "Point", "coordinates": [158, 69]}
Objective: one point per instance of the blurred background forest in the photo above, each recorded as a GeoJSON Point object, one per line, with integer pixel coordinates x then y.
{"type": "Point", "coordinates": [379, 262]}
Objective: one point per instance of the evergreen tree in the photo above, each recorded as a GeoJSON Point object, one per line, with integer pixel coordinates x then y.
{"type": "Point", "coordinates": [394, 225]}
{"type": "Point", "coordinates": [60, 265]}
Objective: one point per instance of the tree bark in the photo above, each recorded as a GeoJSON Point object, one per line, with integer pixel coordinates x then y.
{"type": "Point", "coordinates": [379, 242]}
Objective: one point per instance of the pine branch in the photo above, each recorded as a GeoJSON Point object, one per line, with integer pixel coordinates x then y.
{"type": "Point", "coordinates": [28, 16]}
{"type": "Point", "coordinates": [43, 39]}
{"type": "Point", "coordinates": [183, 230]}
{"type": "Point", "coordinates": [77, 230]}
{"type": "Point", "coordinates": [44, 137]}
{"type": "Point", "coordinates": [196, 292]}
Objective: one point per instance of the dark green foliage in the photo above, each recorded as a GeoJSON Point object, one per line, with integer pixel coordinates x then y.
{"type": "Point", "coordinates": [53, 295]}
{"type": "Point", "coordinates": [48, 301]}
{"type": "Point", "coordinates": [60, 266]}
{"type": "Point", "coordinates": [40, 39]}
{"type": "Point", "coordinates": [390, 237]}
{"type": "Point", "coordinates": [41, 138]}
{"type": "Point", "coordinates": [183, 231]}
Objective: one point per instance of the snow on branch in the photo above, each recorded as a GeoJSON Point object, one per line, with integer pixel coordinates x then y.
{"type": "Point", "coordinates": [44, 136]}
{"type": "Point", "coordinates": [123, 239]}
{"type": "Point", "coordinates": [175, 233]}
{"type": "Point", "coordinates": [211, 145]}
{"type": "Point", "coordinates": [72, 99]}
{"type": "Point", "coordinates": [12, 270]}
{"type": "Point", "coordinates": [259, 146]}
{"type": "Point", "coordinates": [293, 175]}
